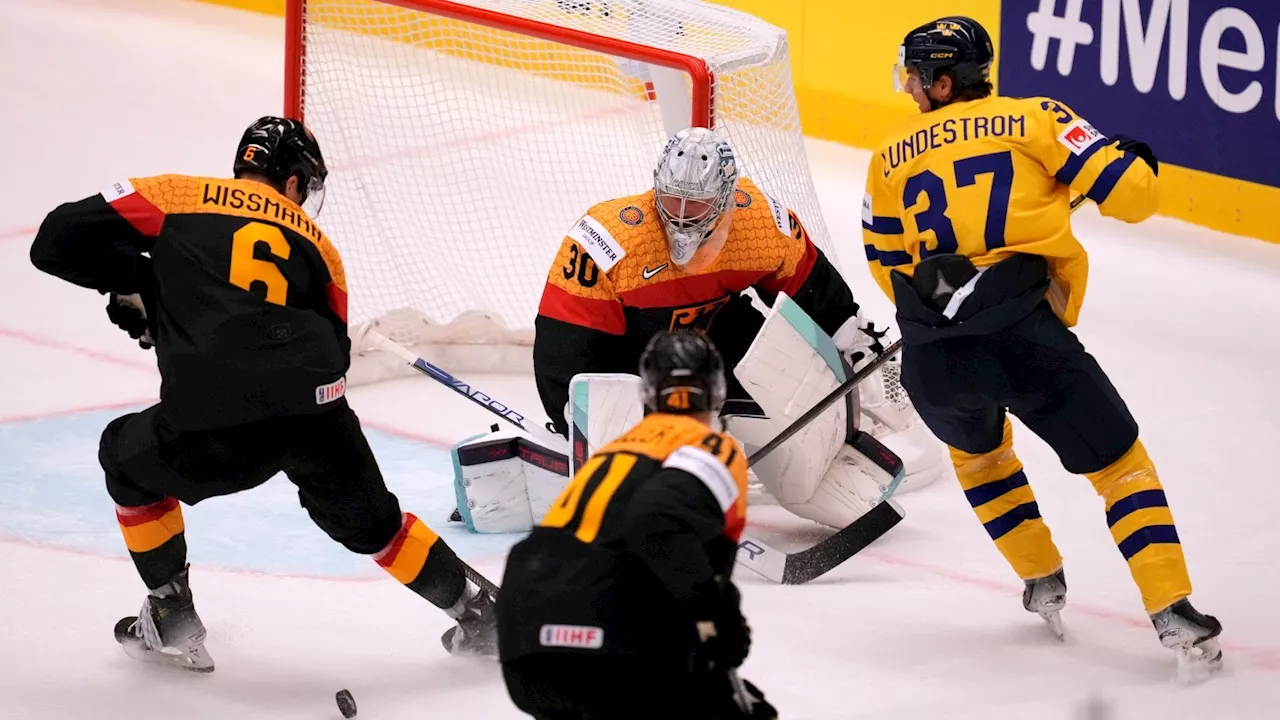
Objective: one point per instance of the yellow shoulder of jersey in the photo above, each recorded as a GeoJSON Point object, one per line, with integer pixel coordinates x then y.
{"type": "Point", "coordinates": [248, 199]}
{"type": "Point", "coordinates": [622, 234]}
{"type": "Point", "coordinates": [609, 236]}
{"type": "Point", "coordinates": [765, 235]}
{"type": "Point", "coordinates": [660, 434]}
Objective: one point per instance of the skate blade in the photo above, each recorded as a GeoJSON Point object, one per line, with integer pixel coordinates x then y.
{"type": "Point", "coordinates": [195, 660]}
{"type": "Point", "coordinates": [1198, 663]}
{"type": "Point", "coordinates": [456, 643]}
{"type": "Point", "coordinates": [1053, 620]}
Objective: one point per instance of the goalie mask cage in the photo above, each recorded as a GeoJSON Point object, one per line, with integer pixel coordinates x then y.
{"type": "Point", "coordinates": [465, 138]}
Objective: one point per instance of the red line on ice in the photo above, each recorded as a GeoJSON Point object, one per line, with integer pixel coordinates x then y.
{"type": "Point", "coordinates": [53, 343]}
{"type": "Point", "coordinates": [1262, 657]}
{"type": "Point", "coordinates": [17, 233]}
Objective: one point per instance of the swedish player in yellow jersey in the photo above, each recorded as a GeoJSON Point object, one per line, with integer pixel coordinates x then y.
{"type": "Point", "coordinates": [966, 227]}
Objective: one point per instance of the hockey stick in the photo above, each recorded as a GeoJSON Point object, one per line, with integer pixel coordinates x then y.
{"type": "Point", "coordinates": [800, 567]}
{"type": "Point", "coordinates": [473, 394]}
{"type": "Point", "coordinates": [783, 568]}
{"type": "Point", "coordinates": [846, 387]}
{"type": "Point", "coordinates": [833, 397]}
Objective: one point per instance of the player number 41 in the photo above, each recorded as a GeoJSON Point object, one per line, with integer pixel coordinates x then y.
{"type": "Point", "coordinates": [999, 165]}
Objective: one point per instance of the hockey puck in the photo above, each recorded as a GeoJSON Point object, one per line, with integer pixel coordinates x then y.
{"type": "Point", "coordinates": [346, 703]}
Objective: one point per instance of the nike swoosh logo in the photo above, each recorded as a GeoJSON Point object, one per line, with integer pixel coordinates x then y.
{"type": "Point", "coordinates": [650, 273]}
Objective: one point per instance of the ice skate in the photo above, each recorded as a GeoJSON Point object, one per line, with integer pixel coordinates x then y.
{"type": "Point", "coordinates": [167, 630]}
{"type": "Point", "coordinates": [1194, 637]}
{"type": "Point", "coordinates": [1046, 597]}
{"type": "Point", "coordinates": [477, 630]}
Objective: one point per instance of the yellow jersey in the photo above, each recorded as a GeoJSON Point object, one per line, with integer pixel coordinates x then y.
{"type": "Point", "coordinates": [993, 177]}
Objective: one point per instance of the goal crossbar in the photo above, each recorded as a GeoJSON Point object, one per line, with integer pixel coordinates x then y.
{"type": "Point", "coordinates": [702, 78]}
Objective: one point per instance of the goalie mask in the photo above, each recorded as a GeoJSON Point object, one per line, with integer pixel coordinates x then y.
{"type": "Point", "coordinates": [682, 373]}
{"type": "Point", "coordinates": [693, 185]}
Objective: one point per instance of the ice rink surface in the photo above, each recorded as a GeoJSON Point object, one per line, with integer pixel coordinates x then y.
{"type": "Point", "coordinates": [925, 624]}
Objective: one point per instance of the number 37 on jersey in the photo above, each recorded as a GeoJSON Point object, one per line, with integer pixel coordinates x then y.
{"type": "Point", "coordinates": [993, 177]}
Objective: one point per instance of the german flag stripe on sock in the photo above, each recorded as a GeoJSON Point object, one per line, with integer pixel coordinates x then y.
{"type": "Point", "coordinates": [407, 552]}
{"type": "Point", "coordinates": [147, 527]}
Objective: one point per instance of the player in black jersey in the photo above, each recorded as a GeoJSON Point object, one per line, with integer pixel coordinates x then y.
{"type": "Point", "coordinates": [245, 301]}
{"type": "Point", "coordinates": [620, 604]}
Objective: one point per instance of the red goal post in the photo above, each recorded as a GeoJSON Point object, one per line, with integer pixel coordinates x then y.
{"type": "Point", "coordinates": [703, 106]}
{"type": "Point", "coordinates": [464, 137]}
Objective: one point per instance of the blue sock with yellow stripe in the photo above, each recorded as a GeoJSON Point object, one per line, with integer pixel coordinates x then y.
{"type": "Point", "coordinates": [1142, 527]}
{"type": "Point", "coordinates": [997, 489]}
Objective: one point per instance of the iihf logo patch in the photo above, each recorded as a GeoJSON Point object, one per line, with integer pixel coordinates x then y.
{"type": "Point", "coordinates": [582, 637]}
{"type": "Point", "coordinates": [631, 215]}
{"type": "Point", "coordinates": [741, 198]}
{"type": "Point", "coordinates": [334, 390]}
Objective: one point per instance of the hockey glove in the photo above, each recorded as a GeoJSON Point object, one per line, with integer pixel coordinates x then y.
{"type": "Point", "coordinates": [859, 340]}
{"type": "Point", "coordinates": [1138, 148]}
{"type": "Point", "coordinates": [748, 701]}
{"type": "Point", "coordinates": [723, 634]}
{"type": "Point", "coordinates": [135, 313]}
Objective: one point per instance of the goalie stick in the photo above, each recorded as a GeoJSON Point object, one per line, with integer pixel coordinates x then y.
{"type": "Point", "coordinates": [781, 567]}
{"type": "Point", "coordinates": [802, 566]}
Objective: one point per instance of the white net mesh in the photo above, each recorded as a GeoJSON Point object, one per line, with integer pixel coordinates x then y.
{"type": "Point", "coordinates": [460, 154]}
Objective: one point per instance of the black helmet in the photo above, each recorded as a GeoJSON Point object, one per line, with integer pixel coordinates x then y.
{"type": "Point", "coordinates": [279, 148]}
{"type": "Point", "coordinates": [681, 373]}
{"type": "Point", "coordinates": [957, 44]}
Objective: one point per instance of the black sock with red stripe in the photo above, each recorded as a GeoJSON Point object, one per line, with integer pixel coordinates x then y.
{"type": "Point", "coordinates": [155, 538]}
{"type": "Point", "coordinates": [417, 557]}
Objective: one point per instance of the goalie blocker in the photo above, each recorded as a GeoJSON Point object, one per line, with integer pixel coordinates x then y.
{"type": "Point", "coordinates": [829, 472]}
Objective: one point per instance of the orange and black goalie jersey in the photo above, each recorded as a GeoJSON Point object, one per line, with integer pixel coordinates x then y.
{"type": "Point", "coordinates": [635, 550]}
{"type": "Point", "coordinates": [250, 294]}
{"type": "Point", "coordinates": [613, 285]}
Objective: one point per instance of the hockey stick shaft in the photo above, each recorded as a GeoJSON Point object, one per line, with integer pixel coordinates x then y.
{"type": "Point", "coordinates": [834, 396]}
{"type": "Point", "coordinates": [465, 389]}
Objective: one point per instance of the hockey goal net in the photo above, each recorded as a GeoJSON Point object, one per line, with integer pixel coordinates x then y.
{"type": "Point", "coordinates": [465, 138]}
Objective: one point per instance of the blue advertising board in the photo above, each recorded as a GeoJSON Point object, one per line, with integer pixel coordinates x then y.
{"type": "Point", "coordinates": [1198, 80]}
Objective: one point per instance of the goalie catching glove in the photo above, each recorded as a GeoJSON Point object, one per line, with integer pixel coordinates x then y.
{"type": "Point", "coordinates": [886, 411]}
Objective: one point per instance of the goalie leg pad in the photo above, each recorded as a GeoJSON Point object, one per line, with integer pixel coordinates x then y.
{"type": "Point", "coordinates": [505, 482]}
{"type": "Point", "coordinates": [791, 365]}
{"type": "Point", "coordinates": [792, 471]}
{"type": "Point", "coordinates": [862, 475]}
{"type": "Point", "coordinates": [601, 407]}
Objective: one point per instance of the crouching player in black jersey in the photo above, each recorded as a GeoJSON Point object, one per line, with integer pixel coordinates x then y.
{"type": "Point", "coordinates": [620, 604]}
{"type": "Point", "coordinates": [244, 299]}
